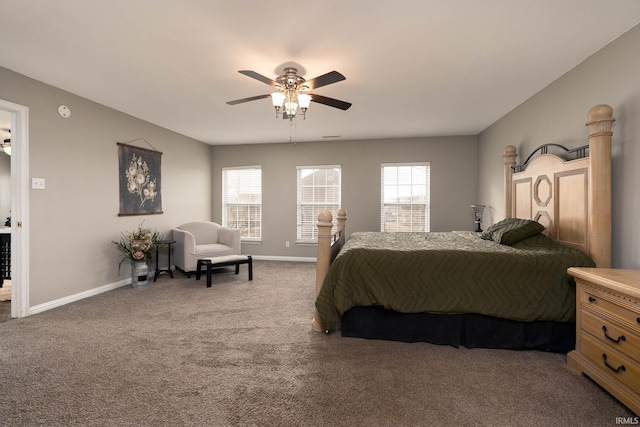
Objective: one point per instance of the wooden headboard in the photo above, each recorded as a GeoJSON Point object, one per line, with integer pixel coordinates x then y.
{"type": "Point", "coordinates": [568, 191]}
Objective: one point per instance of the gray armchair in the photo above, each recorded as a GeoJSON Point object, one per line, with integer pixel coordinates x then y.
{"type": "Point", "coordinates": [203, 239]}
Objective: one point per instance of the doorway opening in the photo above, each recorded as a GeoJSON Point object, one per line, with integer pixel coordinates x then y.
{"type": "Point", "coordinates": [18, 194]}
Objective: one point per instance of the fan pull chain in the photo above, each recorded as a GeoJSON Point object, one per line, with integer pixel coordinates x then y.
{"type": "Point", "coordinates": [291, 131]}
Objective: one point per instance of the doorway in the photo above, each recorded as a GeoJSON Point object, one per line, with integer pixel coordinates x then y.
{"type": "Point", "coordinates": [18, 116]}
{"type": "Point", "coordinates": [5, 212]}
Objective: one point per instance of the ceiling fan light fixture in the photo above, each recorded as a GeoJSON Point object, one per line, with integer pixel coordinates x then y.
{"type": "Point", "coordinates": [291, 92]}
{"type": "Point", "coordinates": [277, 98]}
{"type": "Point", "coordinates": [290, 108]}
{"type": "Point", "coordinates": [304, 100]}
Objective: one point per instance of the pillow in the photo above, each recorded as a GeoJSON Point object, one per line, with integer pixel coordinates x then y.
{"type": "Point", "coordinates": [512, 230]}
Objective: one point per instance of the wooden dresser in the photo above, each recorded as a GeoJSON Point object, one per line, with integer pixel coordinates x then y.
{"type": "Point", "coordinates": [608, 331]}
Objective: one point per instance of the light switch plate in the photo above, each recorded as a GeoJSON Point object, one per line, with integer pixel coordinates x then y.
{"type": "Point", "coordinates": [37, 183]}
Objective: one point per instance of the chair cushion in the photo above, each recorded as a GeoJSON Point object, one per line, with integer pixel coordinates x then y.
{"type": "Point", "coordinates": [212, 250]}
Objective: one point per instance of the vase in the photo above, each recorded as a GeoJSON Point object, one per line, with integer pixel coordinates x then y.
{"type": "Point", "coordinates": [139, 274]}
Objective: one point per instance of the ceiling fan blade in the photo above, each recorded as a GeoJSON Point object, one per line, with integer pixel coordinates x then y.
{"type": "Point", "coordinates": [259, 77]}
{"type": "Point", "coordinates": [253, 98]}
{"type": "Point", "coordinates": [336, 103]}
{"type": "Point", "coordinates": [325, 79]}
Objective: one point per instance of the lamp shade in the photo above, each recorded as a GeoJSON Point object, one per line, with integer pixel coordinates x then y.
{"type": "Point", "coordinates": [277, 98]}
{"type": "Point", "coordinates": [304, 100]}
{"type": "Point", "coordinates": [290, 108]}
{"type": "Point", "coordinates": [477, 210]}
{"type": "Point", "coordinates": [6, 146]}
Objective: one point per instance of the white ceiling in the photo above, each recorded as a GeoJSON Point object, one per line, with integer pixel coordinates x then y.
{"type": "Point", "coordinates": [412, 67]}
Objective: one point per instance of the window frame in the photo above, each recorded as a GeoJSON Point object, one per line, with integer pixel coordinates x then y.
{"type": "Point", "coordinates": [427, 203]}
{"type": "Point", "coordinates": [225, 203]}
{"type": "Point", "coordinates": [299, 216]}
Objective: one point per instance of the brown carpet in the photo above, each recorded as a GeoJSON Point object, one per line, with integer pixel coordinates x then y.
{"type": "Point", "coordinates": [243, 354]}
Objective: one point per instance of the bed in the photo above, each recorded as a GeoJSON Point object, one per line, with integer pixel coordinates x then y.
{"type": "Point", "coordinates": [505, 288]}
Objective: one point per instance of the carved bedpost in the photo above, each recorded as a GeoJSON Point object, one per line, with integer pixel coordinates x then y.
{"type": "Point", "coordinates": [509, 157]}
{"type": "Point", "coordinates": [342, 220]}
{"type": "Point", "coordinates": [322, 265]}
{"type": "Point", "coordinates": [599, 121]}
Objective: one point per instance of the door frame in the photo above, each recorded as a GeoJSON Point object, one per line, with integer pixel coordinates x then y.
{"type": "Point", "coordinates": [19, 207]}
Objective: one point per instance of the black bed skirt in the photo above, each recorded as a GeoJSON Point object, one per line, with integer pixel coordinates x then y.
{"type": "Point", "coordinates": [468, 330]}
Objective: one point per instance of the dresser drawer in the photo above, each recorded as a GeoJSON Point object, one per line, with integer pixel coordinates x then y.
{"type": "Point", "coordinates": [611, 362]}
{"type": "Point", "coordinates": [616, 337]}
{"type": "Point", "coordinates": [602, 304]}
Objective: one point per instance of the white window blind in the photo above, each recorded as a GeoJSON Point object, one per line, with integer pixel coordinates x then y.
{"type": "Point", "coordinates": [405, 197]}
{"type": "Point", "coordinates": [242, 200]}
{"type": "Point", "coordinates": [319, 188]}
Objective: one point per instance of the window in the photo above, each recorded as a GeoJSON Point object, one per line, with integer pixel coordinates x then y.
{"type": "Point", "coordinates": [319, 188]}
{"type": "Point", "coordinates": [405, 197]}
{"type": "Point", "coordinates": [242, 200]}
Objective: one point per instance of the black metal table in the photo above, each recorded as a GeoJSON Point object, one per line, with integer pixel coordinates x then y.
{"type": "Point", "coordinates": [168, 243]}
{"type": "Point", "coordinates": [5, 256]}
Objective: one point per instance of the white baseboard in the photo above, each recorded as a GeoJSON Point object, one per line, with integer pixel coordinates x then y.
{"type": "Point", "coordinates": [283, 258]}
{"type": "Point", "coordinates": [77, 297]}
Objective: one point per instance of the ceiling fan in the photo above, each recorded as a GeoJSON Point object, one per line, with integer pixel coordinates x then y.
{"type": "Point", "coordinates": [292, 96]}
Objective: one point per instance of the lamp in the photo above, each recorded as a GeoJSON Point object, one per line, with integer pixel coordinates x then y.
{"type": "Point", "coordinates": [6, 146]}
{"type": "Point", "coordinates": [477, 210]}
{"type": "Point", "coordinates": [304, 100]}
{"type": "Point", "coordinates": [290, 98]}
{"type": "Point", "coordinates": [277, 98]}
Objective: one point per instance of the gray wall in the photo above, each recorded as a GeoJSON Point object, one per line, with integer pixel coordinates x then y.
{"type": "Point", "coordinates": [453, 183]}
{"type": "Point", "coordinates": [558, 114]}
{"type": "Point", "coordinates": [74, 220]}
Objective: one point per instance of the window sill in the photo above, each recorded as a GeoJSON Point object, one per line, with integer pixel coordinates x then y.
{"type": "Point", "coordinates": [306, 243]}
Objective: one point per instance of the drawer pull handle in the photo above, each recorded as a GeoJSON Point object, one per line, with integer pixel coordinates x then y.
{"type": "Point", "coordinates": [592, 299]}
{"type": "Point", "coordinates": [620, 338]}
{"type": "Point", "coordinates": [618, 369]}
{"type": "Point", "coordinates": [638, 319]}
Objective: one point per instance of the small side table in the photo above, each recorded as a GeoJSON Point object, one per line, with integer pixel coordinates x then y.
{"type": "Point", "coordinates": [168, 269]}
{"type": "Point", "coordinates": [222, 261]}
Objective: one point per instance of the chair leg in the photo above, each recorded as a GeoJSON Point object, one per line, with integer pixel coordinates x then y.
{"type": "Point", "coordinates": [209, 274]}
{"type": "Point", "coordinates": [250, 267]}
{"type": "Point", "coordinates": [237, 268]}
{"type": "Point", "coordinates": [198, 267]}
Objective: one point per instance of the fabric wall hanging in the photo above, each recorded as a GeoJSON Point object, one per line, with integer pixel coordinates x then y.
{"type": "Point", "coordinates": [140, 180]}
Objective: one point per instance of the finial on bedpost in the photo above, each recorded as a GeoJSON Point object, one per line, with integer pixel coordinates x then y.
{"type": "Point", "coordinates": [599, 122]}
{"type": "Point", "coordinates": [509, 157]}
{"type": "Point", "coordinates": [342, 220]}
{"type": "Point", "coordinates": [323, 259]}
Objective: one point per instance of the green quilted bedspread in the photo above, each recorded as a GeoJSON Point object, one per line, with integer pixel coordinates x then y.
{"type": "Point", "coordinates": [452, 273]}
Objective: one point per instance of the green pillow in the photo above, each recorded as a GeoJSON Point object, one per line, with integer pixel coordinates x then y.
{"type": "Point", "coordinates": [512, 230]}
